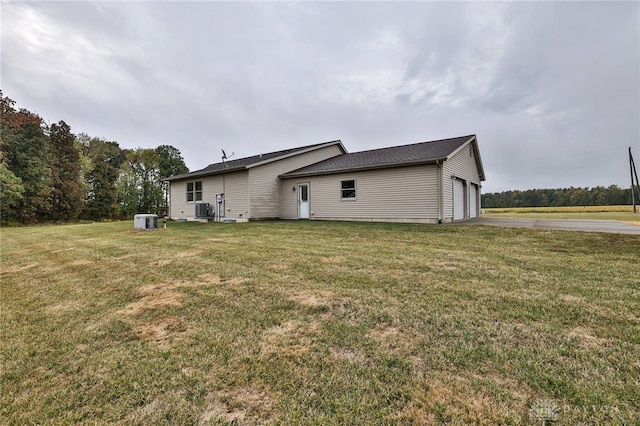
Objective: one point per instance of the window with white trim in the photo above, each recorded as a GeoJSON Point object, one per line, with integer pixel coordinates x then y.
{"type": "Point", "coordinates": [194, 191]}
{"type": "Point", "coordinates": [348, 189]}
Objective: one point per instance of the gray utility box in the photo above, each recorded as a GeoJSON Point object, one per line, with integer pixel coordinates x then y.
{"type": "Point", "coordinates": [145, 221]}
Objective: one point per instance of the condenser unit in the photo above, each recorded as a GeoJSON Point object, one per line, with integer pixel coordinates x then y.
{"type": "Point", "coordinates": [145, 221]}
{"type": "Point", "coordinates": [202, 210]}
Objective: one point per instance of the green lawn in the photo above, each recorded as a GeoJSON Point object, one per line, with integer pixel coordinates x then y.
{"type": "Point", "coordinates": [318, 323]}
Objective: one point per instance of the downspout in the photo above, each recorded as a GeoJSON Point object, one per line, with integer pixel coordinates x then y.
{"type": "Point", "coordinates": [247, 214]}
{"type": "Point", "coordinates": [167, 201]}
{"type": "Point", "coordinates": [440, 197]}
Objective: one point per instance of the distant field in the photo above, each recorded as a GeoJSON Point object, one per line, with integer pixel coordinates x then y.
{"type": "Point", "coordinates": [620, 213]}
{"type": "Point", "coordinates": [318, 323]}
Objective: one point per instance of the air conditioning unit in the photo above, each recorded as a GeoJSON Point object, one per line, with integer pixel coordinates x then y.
{"type": "Point", "coordinates": [202, 210]}
{"type": "Point", "coordinates": [145, 221]}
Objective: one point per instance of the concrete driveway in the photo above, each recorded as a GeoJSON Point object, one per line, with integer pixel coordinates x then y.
{"type": "Point", "coordinates": [564, 224]}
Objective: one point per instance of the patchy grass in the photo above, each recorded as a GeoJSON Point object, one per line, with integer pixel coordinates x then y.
{"type": "Point", "coordinates": [318, 323]}
{"type": "Point", "coordinates": [619, 213]}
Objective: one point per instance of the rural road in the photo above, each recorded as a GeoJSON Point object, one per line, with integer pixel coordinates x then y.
{"type": "Point", "coordinates": [563, 224]}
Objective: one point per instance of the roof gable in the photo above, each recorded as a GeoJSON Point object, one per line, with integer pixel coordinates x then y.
{"type": "Point", "coordinates": [253, 161]}
{"type": "Point", "coordinates": [423, 152]}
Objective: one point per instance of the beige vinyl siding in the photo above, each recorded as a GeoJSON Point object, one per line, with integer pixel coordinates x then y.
{"type": "Point", "coordinates": [265, 186]}
{"type": "Point", "coordinates": [236, 195]}
{"type": "Point", "coordinates": [177, 198]}
{"type": "Point", "coordinates": [211, 186]}
{"type": "Point", "coordinates": [180, 207]}
{"type": "Point", "coordinates": [395, 194]}
{"type": "Point", "coordinates": [463, 166]}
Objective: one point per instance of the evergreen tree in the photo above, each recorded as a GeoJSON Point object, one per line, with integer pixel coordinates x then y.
{"type": "Point", "coordinates": [67, 195]}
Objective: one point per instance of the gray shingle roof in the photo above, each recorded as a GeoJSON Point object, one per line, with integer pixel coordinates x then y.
{"type": "Point", "coordinates": [242, 163]}
{"type": "Point", "coordinates": [385, 157]}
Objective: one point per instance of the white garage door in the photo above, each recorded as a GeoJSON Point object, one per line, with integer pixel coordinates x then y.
{"type": "Point", "coordinates": [473, 200]}
{"type": "Point", "coordinates": [458, 199]}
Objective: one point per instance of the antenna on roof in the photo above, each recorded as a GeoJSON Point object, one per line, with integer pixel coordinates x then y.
{"type": "Point", "coordinates": [224, 155]}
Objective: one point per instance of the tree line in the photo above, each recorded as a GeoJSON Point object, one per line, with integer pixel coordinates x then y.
{"type": "Point", "coordinates": [48, 174]}
{"type": "Point", "coordinates": [597, 196]}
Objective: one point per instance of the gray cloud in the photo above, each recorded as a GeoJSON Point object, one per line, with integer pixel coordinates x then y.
{"type": "Point", "coordinates": [550, 88]}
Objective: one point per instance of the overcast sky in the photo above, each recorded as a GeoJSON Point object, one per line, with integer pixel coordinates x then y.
{"type": "Point", "coordinates": [551, 89]}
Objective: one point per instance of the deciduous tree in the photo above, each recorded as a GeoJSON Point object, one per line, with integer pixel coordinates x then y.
{"type": "Point", "coordinates": [28, 156]}
{"type": "Point", "coordinates": [171, 163]}
{"type": "Point", "coordinates": [11, 192]}
{"type": "Point", "coordinates": [140, 183]}
{"type": "Point", "coordinates": [101, 177]}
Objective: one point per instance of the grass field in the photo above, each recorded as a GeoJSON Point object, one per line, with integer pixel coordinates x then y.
{"type": "Point", "coordinates": [318, 323]}
{"type": "Point", "coordinates": [619, 213]}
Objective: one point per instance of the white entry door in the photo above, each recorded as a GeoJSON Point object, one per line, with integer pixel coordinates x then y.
{"type": "Point", "coordinates": [473, 200]}
{"type": "Point", "coordinates": [303, 201]}
{"type": "Point", "coordinates": [458, 199]}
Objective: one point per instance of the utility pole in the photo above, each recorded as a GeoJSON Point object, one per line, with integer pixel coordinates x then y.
{"type": "Point", "coordinates": [634, 172]}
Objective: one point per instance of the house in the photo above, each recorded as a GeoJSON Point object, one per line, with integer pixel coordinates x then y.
{"type": "Point", "coordinates": [242, 189]}
{"type": "Point", "coordinates": [429, 182]}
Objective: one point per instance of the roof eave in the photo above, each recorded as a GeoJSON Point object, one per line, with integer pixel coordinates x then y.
{"type": "Point", "coordinates": [293, 154]}
{"type": "Point", "coordinates": [479, 162]}
{"type": "Point", "coordinates": [462, 146]}
{"type": "Point", "coordinates": [202, 173]}
{"type": "Point", "coordinates": [473, 140]}
{"type": "Point", "coordinates": [361, 168]}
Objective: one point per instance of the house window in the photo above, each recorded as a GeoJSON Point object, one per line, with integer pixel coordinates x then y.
{"type": "Point", "coordinates": [194, 191]}
{"type": "Point", "coordinates": [348, 189]}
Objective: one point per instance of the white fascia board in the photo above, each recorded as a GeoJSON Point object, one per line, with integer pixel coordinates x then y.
{"type": "Point", "coordinates": [474, 142]}
{"type": "Point", "coordinates": [461, 147]}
